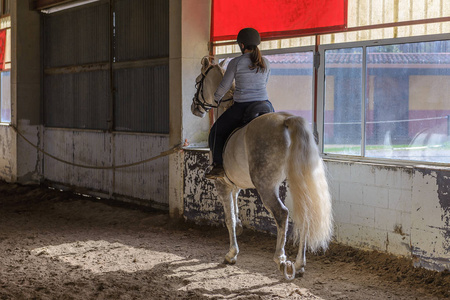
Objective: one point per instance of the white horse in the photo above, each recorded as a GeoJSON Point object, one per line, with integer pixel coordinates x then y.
{"type": "Point", "coordinates": [261, 155]}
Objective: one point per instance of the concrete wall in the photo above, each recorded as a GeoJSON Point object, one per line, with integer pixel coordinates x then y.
{"type": "Point", "coordinates": [400, 210]}
{"type": "Point", "coordinates": [189, 36]}
{"type": "Point", "coordinates": [7, 151]}
{"type": "Point", "coordinates": [200, 197]}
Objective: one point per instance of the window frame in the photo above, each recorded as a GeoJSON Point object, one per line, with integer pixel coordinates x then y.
{"type": "Point", "coordinates": [4, 122]}
{"type": "Point", "coordinates": [6, 69]}
{"type": "Point", "coordinates": [321, 99]}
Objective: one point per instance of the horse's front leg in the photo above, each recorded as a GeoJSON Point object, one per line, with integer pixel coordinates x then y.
{"type": "Point", "coordinates": [228, 196]}
{"type": "Point", "coordinates": [239, 227]}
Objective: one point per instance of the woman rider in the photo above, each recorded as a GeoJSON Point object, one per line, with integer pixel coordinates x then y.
{"type": "Point", "coordinates": [250, 71]}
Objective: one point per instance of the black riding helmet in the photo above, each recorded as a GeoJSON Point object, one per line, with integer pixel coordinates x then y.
{"type": "Point", "coordinates": [249, 37]}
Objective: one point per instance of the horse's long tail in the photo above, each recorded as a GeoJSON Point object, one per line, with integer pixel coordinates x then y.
{"type": "Point", "coordinates": [311, 200]}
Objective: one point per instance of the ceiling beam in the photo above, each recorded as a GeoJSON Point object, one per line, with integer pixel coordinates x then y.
{"type": "Point", "coordinates": [42, 4]}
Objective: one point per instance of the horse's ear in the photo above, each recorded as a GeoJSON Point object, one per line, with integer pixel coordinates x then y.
{"type": "Point", "coordinates": [205, 63]}
{"type": "Point", "coordinates": [223, 62]}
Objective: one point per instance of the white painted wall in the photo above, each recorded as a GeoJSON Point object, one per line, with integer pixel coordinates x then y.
{"type": "Point", "coordinates": [394, 209]}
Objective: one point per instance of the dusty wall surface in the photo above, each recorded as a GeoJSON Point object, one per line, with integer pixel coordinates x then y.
{"type": "Point", "coordinates": [145, 183]}
{"type": "Point", "coordinates": [7, 154]}
{"type": "Point", "coordinates": [402, 211]}
{"type": "Point", "coordinates": [202, 206]}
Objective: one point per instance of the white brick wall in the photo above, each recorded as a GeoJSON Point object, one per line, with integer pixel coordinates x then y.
{"type": "Point", "coordinates": [393, 209]}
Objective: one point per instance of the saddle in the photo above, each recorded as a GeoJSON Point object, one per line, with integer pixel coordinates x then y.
{"type": "Point", "coordinates": [255, 110]}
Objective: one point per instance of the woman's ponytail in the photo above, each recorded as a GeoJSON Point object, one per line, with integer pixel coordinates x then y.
{"type": "Point", "coordinates": [257, 59]}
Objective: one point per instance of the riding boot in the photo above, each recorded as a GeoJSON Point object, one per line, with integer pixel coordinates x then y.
{"type": "Point", "coordinates": [215, 172]}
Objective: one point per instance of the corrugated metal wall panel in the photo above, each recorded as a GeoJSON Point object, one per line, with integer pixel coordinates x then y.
{"type": "Point", "coordinates": [77, 37]}
{"type": "Point", "coordinates": [142, 29]}
{"type": "Point", "coordinates": [74, 99]}
{"type": "Point", "coordinates": [142, 99]}
{"type": "Point", "coordinates": [77, 94]}
{"type": "Point", "coordinates": [79, 100]}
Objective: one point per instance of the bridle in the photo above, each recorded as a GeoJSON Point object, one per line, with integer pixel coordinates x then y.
{"type": "Point", "coordinates": [199, 86]}
{"type": "Point", "coordinates": [199, 99]}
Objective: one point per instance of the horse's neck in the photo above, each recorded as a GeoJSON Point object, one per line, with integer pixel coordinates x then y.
{"type": "Point", "coordinates": [223, 107]}
{"type": "Point", "coordinates": [226, 102]}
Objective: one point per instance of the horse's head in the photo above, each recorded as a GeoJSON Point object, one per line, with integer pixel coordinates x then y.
{"type": "Point", "coordinates": [206, 85]}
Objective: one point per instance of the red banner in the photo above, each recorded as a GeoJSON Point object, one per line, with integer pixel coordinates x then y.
{"type": "Point", "coordinates": [277, 18]}
{"type": "Point", "coordinates": [2, 48]}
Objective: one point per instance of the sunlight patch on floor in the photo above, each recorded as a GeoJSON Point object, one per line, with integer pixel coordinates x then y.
{"type": "Point", "coordinates": [218, 279]}
{"type": "Point", "coordinates": [102, 256]}
{"type": "Point", "coordinates": [213, 279]}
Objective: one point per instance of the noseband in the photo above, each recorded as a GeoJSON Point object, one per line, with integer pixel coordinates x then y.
{"type": "Point", "coordinates": [199, 99]}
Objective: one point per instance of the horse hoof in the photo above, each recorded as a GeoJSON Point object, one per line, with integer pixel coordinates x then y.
{"type": "Point", "coordinates": [288, 270]}
{"type": "Point", "coordinates": [300, 273]}
{"type": "Point", "coordinates": [229, 261]}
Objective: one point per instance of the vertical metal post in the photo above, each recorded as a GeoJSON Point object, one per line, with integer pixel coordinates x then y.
{"type": "Point", "coordinates": [316, 71]}
{"type": "Point", "coordinates": [111, 69]}
{"type": "Point", "coordinates": [363, 99]}
{"type": "Point", "coordinates": [111, 126]}
{"type": "Point", "coordinates": [448, 125]}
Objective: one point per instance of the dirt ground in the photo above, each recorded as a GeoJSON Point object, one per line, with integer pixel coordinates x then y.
{"type": "Point", "coordinates": [57, 245]}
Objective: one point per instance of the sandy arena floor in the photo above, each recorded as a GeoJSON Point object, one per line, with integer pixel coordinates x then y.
{"type": "Point", "coordinates": [56, 245]}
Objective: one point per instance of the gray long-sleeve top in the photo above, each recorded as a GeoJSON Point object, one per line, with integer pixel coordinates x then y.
{"type": "Point", "coordinates": [250, 85]}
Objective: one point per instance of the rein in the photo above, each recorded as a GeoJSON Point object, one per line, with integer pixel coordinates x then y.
{"type": "Point", "coordinates": [200, 101]}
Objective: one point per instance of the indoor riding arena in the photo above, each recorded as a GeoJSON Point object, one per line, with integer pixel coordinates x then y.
{"type": "Point", "coordinates": [103, 193]}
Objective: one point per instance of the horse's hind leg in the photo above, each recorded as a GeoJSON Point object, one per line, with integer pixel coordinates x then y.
{"type": "Point", "coordinates": [300, 261]}
{"type": "Point", "coordinates": [271, 200]}
{"type": "Point", "coordinates": [227, 194]}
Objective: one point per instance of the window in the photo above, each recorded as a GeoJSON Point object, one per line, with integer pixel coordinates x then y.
{"type": "Point", "coordinates": [5, 97]}
{"type": "Point", "coordinates": [290, 86]}
{"type": "Point", "coordinates": [5, 75]}
{"type": "Point", "coordinates": [405, 112]}
{"type": "Point", "coordinates": [343, 90]}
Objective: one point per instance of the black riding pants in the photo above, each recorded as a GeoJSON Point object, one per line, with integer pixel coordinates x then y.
{"type": "Point", "coordinates": [224, 126]}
